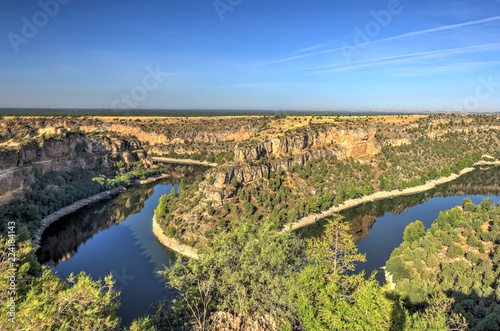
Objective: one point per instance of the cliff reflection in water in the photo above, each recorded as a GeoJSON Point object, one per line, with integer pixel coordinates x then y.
{"type": "Point", "coordinates": [61, 239]}
{"type": "Point", "coordinates": [485, 181]}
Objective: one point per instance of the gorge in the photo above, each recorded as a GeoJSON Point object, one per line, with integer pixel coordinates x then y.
{"type": "Point", "coordinates": [263, 169]}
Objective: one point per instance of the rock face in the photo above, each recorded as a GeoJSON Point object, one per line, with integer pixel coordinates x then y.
{"type": "Point", "coordinates": [223, 321]}
{"type": "Point", "coordinates": [343, 143]}
{"type": "Point", "coordinates": [289, 151]}
{"type": "Point", "coordinates": [20, 165]}
{"type": "Point", "coordinates": [168, 138]}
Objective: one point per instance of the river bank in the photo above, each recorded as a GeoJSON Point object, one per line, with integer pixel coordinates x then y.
{"type": "Point", "coordinates": [310, 219]}
{"type": "Point", "coordinates": [191, 252]}
{"type": "Point", "coordinates": [49, 219]}
{"type": "Point", "coordinates": [173, 244]}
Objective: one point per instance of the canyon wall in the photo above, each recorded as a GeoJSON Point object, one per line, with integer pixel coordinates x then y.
{"type": "Point", "coordinates": [343, 143]}
{"type": "Point", "coordinates": [21, 164]}
{"type": "Point", "coordinates": [287, 152]}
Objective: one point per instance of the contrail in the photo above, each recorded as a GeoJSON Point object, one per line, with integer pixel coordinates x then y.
{"type": "Point", "coordinates": [401, 36]}
{"type": "Point", "coordinates": [402, 57]}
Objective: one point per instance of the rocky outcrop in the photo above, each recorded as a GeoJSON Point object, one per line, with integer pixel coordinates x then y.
{"type": "Point", "coordinates": [20, 165]}
{"type": "Point", "coordinates": [287, 152]}
{"type": "Point", "coordinates": [343, 143]}
{"type": "Point", "coordinates": [178, 137]}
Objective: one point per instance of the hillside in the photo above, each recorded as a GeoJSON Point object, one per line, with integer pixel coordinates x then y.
{"type": "Point", "coordinates": [319, 165]}
{"type": "Point", "coordinates": [459, 256]}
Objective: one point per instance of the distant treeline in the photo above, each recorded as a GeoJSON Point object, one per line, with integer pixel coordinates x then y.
{"type": "Point", "coordinates": [176, 112]}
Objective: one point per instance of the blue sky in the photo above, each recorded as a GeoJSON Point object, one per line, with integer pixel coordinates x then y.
{"type": "Point", "coordinates": [251, 54]}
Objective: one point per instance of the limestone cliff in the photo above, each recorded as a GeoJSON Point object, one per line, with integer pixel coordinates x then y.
{"type": "Point", "coordinates": [286, 152]}
{"type": "Point", "coordinates": [20, 164]}
{"type": "Point", "coordinates": [341, 142]}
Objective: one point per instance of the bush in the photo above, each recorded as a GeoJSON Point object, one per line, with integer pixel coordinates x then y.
{"type": "Point", "coordinates": [170, 231]}
{"type": "Point", "coordinates": [398, 268]}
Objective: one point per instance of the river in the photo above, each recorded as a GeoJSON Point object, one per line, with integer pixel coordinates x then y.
{"type": "Point", "coordinates": [377, 227]}
{"type": "Point", "coordinates": [115, 236]}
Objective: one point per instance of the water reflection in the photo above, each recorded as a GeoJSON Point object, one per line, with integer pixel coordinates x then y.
{"type": "Point", "coordinates": [61, 239]}
{"type": "Point", "coordinates": [481, 181]}
{"type": "Point", "coordinates": [115, 237]}
{"type": "Point", "coordinates": [377, 227]}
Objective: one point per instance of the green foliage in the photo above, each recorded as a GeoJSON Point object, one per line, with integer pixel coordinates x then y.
{"type": "Point", "coordinates": [454, 251]}
{"type": "Point", "coordinates": [248, 269]}
{"type": "Point", "coordinates": [486, 204]}
{"type": "Point", "coordinates": [331, 298]}
{"type": "Point", "coordinates": [438, 316]}
{"type": "Point", "coordinates": [170, 231]}
{"type": "Point", "coordinates": [49, 193]}
{"type": "Point", "coordinates": [470, 278]}
{"type": "Point", "coordinates": [468, 205]}
{"type": "Point", "coordinates": [414, 231]}
{"type": "Point", "coordinates": [398, 268]}
{"type": "Point", "coordinates": [48, 303]}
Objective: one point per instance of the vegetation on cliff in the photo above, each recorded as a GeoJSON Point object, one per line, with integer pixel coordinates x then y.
{"type": "Point", "coordinates": [253, 274]}
{"type": "Point", "coordinates": [273, 170]}
{"type": "Point", "coordinates": [44, 302]}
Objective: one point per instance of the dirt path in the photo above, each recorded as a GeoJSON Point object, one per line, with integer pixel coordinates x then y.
{"type": "Point", "coordinates": [183, 161]}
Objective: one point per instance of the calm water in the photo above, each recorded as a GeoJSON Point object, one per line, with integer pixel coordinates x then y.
{"type": "Point", "coordinates": [114, 236]}
{"type": "Point", "coordinates": [378, 227]}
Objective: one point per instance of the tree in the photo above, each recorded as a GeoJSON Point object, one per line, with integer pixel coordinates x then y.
{"type": "Point", "coordinates": [332, 298]}
{"type": "Point", "coordinates": [368, 189]}
{"type": "Point", "coordinates": [182, 185]}
{"type": "Point", "coordinates": [467, 204]}
{"type": "Point", "coordinates": [486, 204]}
{"type": "Point", "coordinates": [438, 316]}
{"type": "Point", "coordinates": [48, 303]}
{"type": "Point", "coordinates": [446, 171]}
{"type": "Point", "coordinates": [414, 231]}
{"type": "Point", "coordinates": [249, 269]}
{"type": "Point", "coordinates": [352, 192]}
{"type": "Point", "coordinates": [432, 173]}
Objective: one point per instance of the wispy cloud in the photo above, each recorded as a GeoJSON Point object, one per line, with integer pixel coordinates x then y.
{"type": "Point", "coordinates": [314, 47]}
{"type": "Point", "coordinates": [437, 29]}
{"type": "Point", "coordinates": [267, 85]}
{"type": "Point", "coordinates": [446, 68]}
{"type": "Point", "coordinates": [398, 37]}
{"type": "Point", "coordinates": [410, 56]}
{"type": "Point", "coordinates": [398, 58]}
